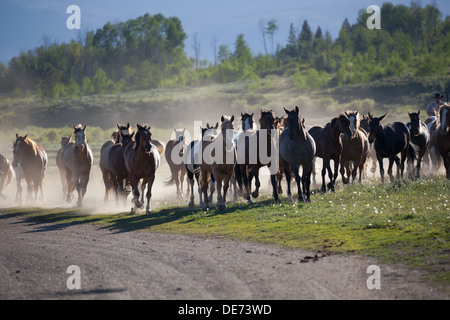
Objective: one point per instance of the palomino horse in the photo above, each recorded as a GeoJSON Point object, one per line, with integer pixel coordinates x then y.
{"type": "Point", "coordinates": [141, 161]}
{"type": "Point", "coordinates": [251, 154]}
{"type": "Point", "coordinates": [329, 146]}
{"type": "Point", "coordinates": [297, 148]}
{"type": "Point", "coordinates": [6, 174]}
{"type": "Point", "coordinates": [355, 149]}
{"type": "Point", "coordinates": [33, 160]}
{"type": "Point", "coordinates": [419, 138]}
{"type": "Point", "coordinates": [60, 164]}
{"type": "Point", "coordinates": [219, 158]}
{"type": "Point", "coordinates": [441, 137]}
{"type": "Point", "coordinates": [177, 168]}
{"type": "Point", "coordinates": [104, 152]}
{"type": "Point", "coordinates": [390, 140]}
{"type": "Point", "coordinates": [193, 159]}
{"type": "Point", "coordinates": [78, 161]}
{"type": "Point", "coordinates": [116, 165]}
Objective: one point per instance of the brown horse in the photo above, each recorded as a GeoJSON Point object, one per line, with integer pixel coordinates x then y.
{"type": "Point", "coordinates": [441, 137]}
{"type": "Point", "coordinates": [329, 146]}
{"type": "Point", "coordinates": [355, 149]}
{"type": "Point", "coordinates": [141, 161]}
{"type": "Point", "coordinates": [255, 150]}
{"type": "Point", "coordinates": [281, 123]}
{"type": "Point", "coordinates": [364, 124]}
{"type": "Point", "coordinates": [78, 162]}
{"type": "Point", "coordinates": [219, 158]}
{"type": "Point", "coordinates": [32, 158]}
{"type": "Point", "coordinates": [174, 154]}
{"type": "Point", "coordinates": [60, 164]}
{"type": "Point", "coordinates": [6, 174]}
{"type": "Point", "coordinates": [117, 169]}
{"type": "Point", "coordinates": [104, 152]}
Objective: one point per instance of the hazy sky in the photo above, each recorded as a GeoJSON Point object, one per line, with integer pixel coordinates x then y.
{"type": "Point", "coordinates": [24, 22]}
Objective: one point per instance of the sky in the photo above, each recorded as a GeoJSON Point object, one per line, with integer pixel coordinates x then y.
{"type": "Point", "coordinates": [23, 23]}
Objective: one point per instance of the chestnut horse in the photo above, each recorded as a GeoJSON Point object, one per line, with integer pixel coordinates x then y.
{"type": "Point", "coordinates": [329, 146]}
{"type": "Point", "coordinates": [219, 159]}
{"type": "Point", "coordinates": [32, 159]}
{"type": "Point", "coordinates": [141, 161]}
{"type": "Point", "coordinates": [78, 162]}
{"type": "Point", "coordinates": [355, 149]}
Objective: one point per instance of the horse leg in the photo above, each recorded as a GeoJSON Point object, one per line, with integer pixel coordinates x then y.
{"type": "Point", "coordinates": [177, 184]}
{"type": "Point", "coordinates": [391, 163]}
{"type": "Point", "coordinates": [212, 188]}
{"type": "Point", "coordinates": [84, 180]}
{"type": "Point", "coordinates": [190, 178]}
{"type": "Point", "coordinates": [273, 179]}
{"type": "Point", "coordinates": [336, 171]}
{"type": "Point", "coordinates": [150, 180]}
{"type": "Point", "coordinates": [354, 170]}
{"type": "Point", "coordinates": [220, 202]}
{"type": "Point", "coordinates": [445, 156]}
{"type": "Point", "coordinates": [325, 164]}
{"type": "Point", "coordinates": [287, 174]}
{"type": "Point", "coordinates": [143, 184]}
{"type": "Point", "coordinates": [306, 180]}
{"type": "Point", "coordinates": [19, 191]}
{"type": "Point", "coordinates": [204, 189]}
{"type": "Point", "coordinates": [243, 173]}
{"type": "Point", "coordinates": [295, 168]}
{"type": "Point", "coordinates": [344, 170]}
{"type": "Point", "coordinates": [380, 163]}
{"type": "Point", "coordinates": [255, 193]}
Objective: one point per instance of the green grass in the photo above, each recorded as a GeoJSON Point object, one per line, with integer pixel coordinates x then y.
{"type": "Point", "coordinates": [406, 222]}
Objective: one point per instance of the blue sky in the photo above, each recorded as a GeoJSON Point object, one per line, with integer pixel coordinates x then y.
{"type": "Point", "coordinates": [24, 22]}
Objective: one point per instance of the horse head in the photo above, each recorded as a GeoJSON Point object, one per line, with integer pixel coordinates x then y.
{"type": "Point", "coordinates": [342, 124]}
{"type": "Point", "coordinates": [415, 123]}
{"type": "Point", "coordinates": [180, 137]}
{"type": "Point", "coordinates": [247, 121]}
{"type": "Point", "coordinates": [294, 122]}
{"type": "Point", "coordinates": [80, 137]}
{"type": "Point", "coordinates": [144, 138]}
{"type": "Point", "coordinates": [126, 137]}
{"type": "Point", "coordinates": [353, 117]}
{"type": "Point", "coordinates": [267, 120]}
{"type": "Point", "coordinates": [375, 126]}
{"type": "Point", "coordinates": [227, 131]}
{"type": "Point", "coordinates": [18, 149]}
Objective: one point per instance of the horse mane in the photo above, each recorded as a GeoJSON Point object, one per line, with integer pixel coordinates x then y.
{"type": "Point", "coordinates": [33, 145]}
{"type": "Point", "coordinates": [78, 127]}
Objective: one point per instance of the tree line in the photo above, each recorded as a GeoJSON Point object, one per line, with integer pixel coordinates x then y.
{"type": "Point", "coordinates": [148, 52]}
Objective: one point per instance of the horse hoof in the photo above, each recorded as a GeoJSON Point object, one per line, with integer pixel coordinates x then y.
{"type": "Point", "coordinates": [289, 199]}
{"type": "Point", "coordinates": [191, 204]}
{"type": "Point", "coordinates": [222, 206]}
{"type": "Point", "coordinates": [255, 194]}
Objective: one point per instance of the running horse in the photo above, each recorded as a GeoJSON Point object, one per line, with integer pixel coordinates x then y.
{"type": "Point", "coordinates": [78, 162]}
{"type": "Point", "coordinates": [32, 159]}
{"type": "Point", "coordinates": [141, 161]}
{"type": "Point", "coordinates": [174, 154]}
{"type": "Point", "coordinates": [219, 159]}
{"type": "Point", "coordinates": [104, 152]}
{"type": "Point", "coordinates": [297, 148]}
{"type": "Point", "coordinates": [355, 149]}
{"type": "Point", "coordinates": [329, 146]}
{"type": "Point", "coordinates": [419, 138]}
{"type": "Point", "coordinates": [256, 149]}
{"type": "Point", "coordinates": [6, 174]}
{"type": "Point", "coordinates": [60, 164]}
{"type": "Point", "coordinates": [117, 169]}
{"type": "Point", "coordinates": [441, 137]}
{"type": "Point", "coordinates": [389, 141]}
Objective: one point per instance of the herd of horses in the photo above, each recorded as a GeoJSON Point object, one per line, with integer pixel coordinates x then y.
{"type": "Point", "coordinates": [226, 156]}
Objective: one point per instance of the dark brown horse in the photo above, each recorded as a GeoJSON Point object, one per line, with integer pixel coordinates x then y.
{"type": "Point", "coordinates": [117, 169]}
{"type": "Point", "coordinates": [329, 146]}
{"type": "Point", "coordinates": [297, 149]}
{"type": "Point", "coordinates": [355, 149]}
{"type": "Point", "coordinates": [78, 161]}
{"type": "Point", "coordinates": [32, 158]}
{"type": "Point", "coordinates": [419, 138]}
{"type": "Point", "coordinates": [104, 153]}
{"type": "Point", "coordinates": [256, 149]}
{"type": "Point", "coordinates": [141, 161]}
{"type": "Point", "coordinates": [60, 164]}
{"type": "Point", "coordinates": [441, 137]}
{"type": "Point", "coordinates": [174, 154]}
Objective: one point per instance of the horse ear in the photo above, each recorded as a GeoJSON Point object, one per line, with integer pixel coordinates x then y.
{"type": "Point", "coordinates": [217, 125]}
{"type": "Point", "coordinates": [232, 118]}
{"type": "Point", "coordinates": [84, 128]}
{"type": "Point", "coordinates": [287, 112]}
{"type": "Point", "coordinates": [17, 135]}
{"type": "Point", "coordinates": [370, 116]}
{"type": "Point", "coordinates": [296, 109]}
{"type": "Point", "coordinates": [131, 135]}
{"type": "Point", "coordinates": [128, 125]}
{"type": "Point", "coordinates": [418, 112]}
{"type": "Point", "coordinates": [222, 118]}
{"type": "Point", "coordinates": [253, 114]}
{"type": "Point", "coordinates": [382, 117]}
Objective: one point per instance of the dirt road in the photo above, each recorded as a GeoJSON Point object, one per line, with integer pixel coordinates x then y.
{"type": "Point", "coordinates": [34, 258]}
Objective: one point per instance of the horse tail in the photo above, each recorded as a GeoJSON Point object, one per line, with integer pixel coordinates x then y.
{"type": "Point", "coordinates": [412, 151]}
{"type": "Point", "coordinates": [172, 179]}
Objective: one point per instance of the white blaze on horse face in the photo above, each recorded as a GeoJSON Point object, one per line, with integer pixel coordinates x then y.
{"type": "Point", "coordinates": [247, 124]}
